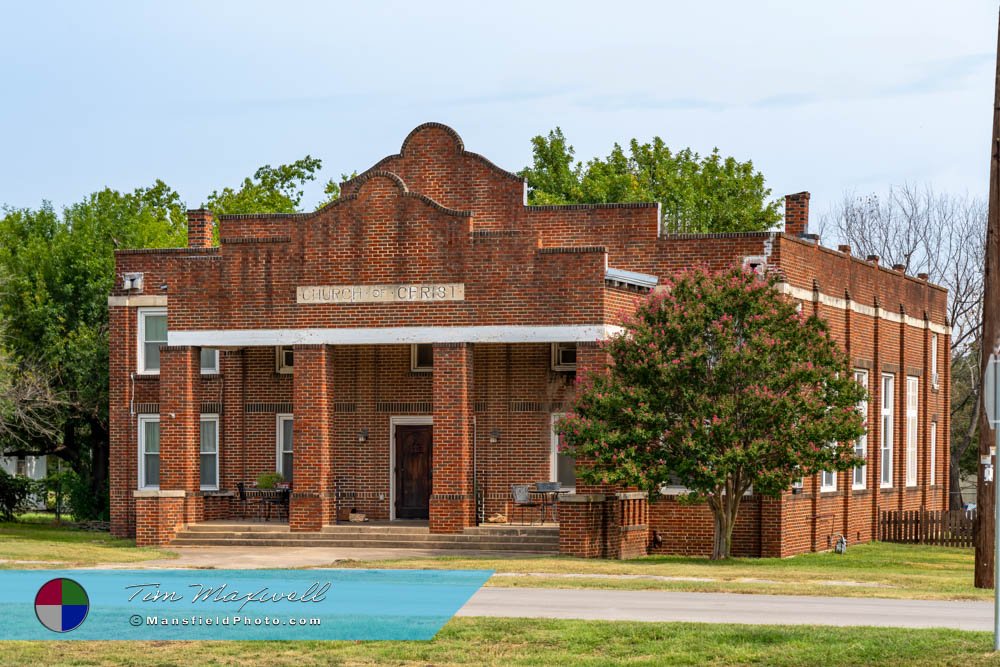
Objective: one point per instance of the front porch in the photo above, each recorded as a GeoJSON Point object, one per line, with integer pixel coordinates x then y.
{"type": "Point", "coordinates": [403, 534]}
{"type": "Point", "coordinates": [450, 458]}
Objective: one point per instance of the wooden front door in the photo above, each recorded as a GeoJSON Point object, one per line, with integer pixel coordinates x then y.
{"type": "Point", "coordinates": [413, 471]}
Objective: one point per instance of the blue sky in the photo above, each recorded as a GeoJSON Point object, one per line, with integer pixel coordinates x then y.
{"type": "Point", "coordinates": [849, 96]}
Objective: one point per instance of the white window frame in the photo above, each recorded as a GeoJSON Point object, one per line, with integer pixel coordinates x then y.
{"type": "Point", "coordinates": [554, 452]}
{"type": "Point", "coordinates": [557, 363]}
{"type": "Point", "coordinates": [828, 480]}
{"type": "Point", "coordinates": [279, 444]}
{"type": "Point", "coordinates": [860, 474]}
{"type": "Point", "coordinates": [935, 376]}
{"type": "Point", "coordinates": [279, 360]}
{"type": "Point", "coordinates": [141, 439]}
{"type": "Point", "coordinates": [218, 459]}
{"type": "Point", "coordinates": [886, 430]}
{"type": "Point", "coordinates": [912, 428]}
{"type": "Point", "coordinates": [142, 314]}
{"type": "Point", "coordinates": [933, 472]}
{"type": "Point", "coordinates": [214, 368]}
{"type": "Point", "coordinates": [414, 366]}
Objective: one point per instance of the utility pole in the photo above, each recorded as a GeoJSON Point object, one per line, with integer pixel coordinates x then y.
{"type": "Point", "coordinates": [986, 490]}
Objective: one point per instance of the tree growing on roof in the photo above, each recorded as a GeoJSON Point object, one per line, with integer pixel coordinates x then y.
{"type": "Point", "coordinates": [721, 384]}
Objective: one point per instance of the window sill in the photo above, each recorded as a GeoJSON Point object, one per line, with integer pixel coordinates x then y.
{"type": "Point", "coordinates": [823, 493]}
{"type": "Point", "coordinates": [219, 493]}
{"type": "Point", "coordinates": [860, 491]}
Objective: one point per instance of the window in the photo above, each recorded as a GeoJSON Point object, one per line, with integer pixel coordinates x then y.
{"type": "Point", "coordinates": [828, 480]}
{"type": "Point", "coordinates": [564, 356]}
{"type": "Point", "coordinates": [149, 451]}
{"type": "Point", "coordinates": [284, 462]}
{"type": "Point", "coordinates": [563, 466]}
{"type": "Point", "coordinates": [755, 263]}
{"type": "Point", "coordinates": [934, 361]}
{"type": "Point", "coordinates": [209, 360]}
{"type": "Point", "coordinates": [933, 476]}
{"type": "Point", "coordinates": [152, 336]}
{"type": "Point", "coordinates": [209, 452]}
{"type": "Point", "coordinates": [888, 396]}
{"type": "Point", "coordinates": [284, 359]}
{"type": "Point", "coordinates": [422, 358]}
{"type": "Point", "coordinates": [861, 444]}
{"type": "Point", "coordinates": [21, 466]}
{"type": "Point", "coordinates": [912, 424]}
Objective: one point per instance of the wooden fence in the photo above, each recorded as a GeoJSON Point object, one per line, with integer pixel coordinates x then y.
{"type": "Point", "coordinates": [943, 528]}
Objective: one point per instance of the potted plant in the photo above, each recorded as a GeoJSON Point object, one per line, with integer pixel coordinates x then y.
{"type": "Point", "coordinates": [269, 480]}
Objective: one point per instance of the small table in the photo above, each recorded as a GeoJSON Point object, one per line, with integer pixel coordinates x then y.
{"type": "Point", "coordinates": [267, 498]}
{"type": "Point", "coordinates": [549, 498]}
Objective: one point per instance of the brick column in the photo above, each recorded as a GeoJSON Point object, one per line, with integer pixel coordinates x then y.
{"type": "Point", "coordinates": [179, 501]}
{"type": "Point", "coordinates": [452, 505]}
{"type": "Point", "coordinates": [590, 359]}
{"type": "Point", "coordinates": [312, 499]}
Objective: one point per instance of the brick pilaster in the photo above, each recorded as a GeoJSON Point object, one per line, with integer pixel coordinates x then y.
{"type": "Point", "coordinates": [180, 430]}
{"type": "Point", "coordinates": [452, 504]}
{"type": "Point", "coordinates": [312, 502]}
{"type": "Point", "coordinates": [123, 465]}
{"type": "Point", "coordinates": [590, 359]}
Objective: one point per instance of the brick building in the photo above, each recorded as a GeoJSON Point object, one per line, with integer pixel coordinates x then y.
{"type": "Point", "coordinates": [405, 351]}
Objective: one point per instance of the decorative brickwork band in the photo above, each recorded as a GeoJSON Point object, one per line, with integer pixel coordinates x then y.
{"type": "Point", "coordinates": [312, 504]}
{"type": "Point", "coordinates": [452, 505]}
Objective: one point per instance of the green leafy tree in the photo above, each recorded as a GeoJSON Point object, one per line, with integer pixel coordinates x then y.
{"type": "Point", "coordinates": [698, 193]}
{"type": "Point", "coordinates": [720, 384]}
{"type": "Point", "coordinates": [56, 271]}
{"type": "Point", "coordinates": [270, 190]}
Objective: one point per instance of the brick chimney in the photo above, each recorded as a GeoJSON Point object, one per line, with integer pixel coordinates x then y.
{"type": "Point", "coordinates": [199, 228]}
{"type": "Point", "coordinates": [797, 214]}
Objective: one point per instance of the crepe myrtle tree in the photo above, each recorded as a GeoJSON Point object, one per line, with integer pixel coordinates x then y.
{"type": "Point", "coordinates": [719, 383]}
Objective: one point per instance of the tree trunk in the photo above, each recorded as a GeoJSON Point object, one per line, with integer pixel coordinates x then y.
{"type": "Point", "coordinates": [955, 501]}
{"type": "Point", "coordinates": [724, 511]}
{"type": "Point", "coordinates": [99, 452]}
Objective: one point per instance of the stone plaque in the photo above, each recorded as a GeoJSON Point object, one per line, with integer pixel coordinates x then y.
{"type": "Point", "coordinates": [381, 293]}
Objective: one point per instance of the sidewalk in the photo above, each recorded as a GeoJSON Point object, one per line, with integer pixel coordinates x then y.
{"type": "Point", "coordinates": [589, 604]}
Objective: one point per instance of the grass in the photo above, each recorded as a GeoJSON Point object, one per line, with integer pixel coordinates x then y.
{"type": "Point", "coordinates": [36, 541]}
{"type": "Point", "coordinates": [517, 642]}
{"type": "Point", "coordinates": [868, 570]}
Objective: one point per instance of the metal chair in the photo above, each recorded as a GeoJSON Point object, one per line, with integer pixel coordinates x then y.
{"type": "Point", "coordinates": [241, 496]}
{"type": "Point", "coordinates": [521, 499]}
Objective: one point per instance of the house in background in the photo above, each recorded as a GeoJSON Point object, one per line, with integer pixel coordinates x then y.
{"type": "Point", "coordinates": [32, 467]}
{"type": "Point", "coordinates": [405, 351]}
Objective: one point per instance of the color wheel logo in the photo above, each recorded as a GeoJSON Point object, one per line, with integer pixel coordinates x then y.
{"type": "Point", "coordinates": [61, 605]}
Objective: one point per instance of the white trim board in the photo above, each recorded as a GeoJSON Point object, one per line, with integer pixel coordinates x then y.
{"type": "Point", "coordinates": [810, 296]}
{"type": "Point", "coordinates": [393, 335]}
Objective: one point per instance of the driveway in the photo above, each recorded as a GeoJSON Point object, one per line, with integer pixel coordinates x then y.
{"type": "Point", "coordinates": [727, 608]}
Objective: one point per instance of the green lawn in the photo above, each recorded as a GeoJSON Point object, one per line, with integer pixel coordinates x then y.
{"type": "Point", "coordinates": [513, 642]}
{"type": "Point", "coordinates": [866, 570]}
{"type": "Point", "coordinates": [36, 541]}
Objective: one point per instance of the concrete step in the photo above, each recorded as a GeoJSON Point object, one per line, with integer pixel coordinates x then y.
{"type": "Point", "coordinates": [276, 541]}
{"type": "Point", "coordinates": [238, 527]}
{"type": "Point", "coordinates": [348, 529]}
{"type": "Point", "coordinates": [372, 538]}
{"type": "Point", "coordinates": [513, 530]}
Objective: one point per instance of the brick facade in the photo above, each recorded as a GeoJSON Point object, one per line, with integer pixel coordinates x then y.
{"type": "Point", "coordinates": [437, 214]}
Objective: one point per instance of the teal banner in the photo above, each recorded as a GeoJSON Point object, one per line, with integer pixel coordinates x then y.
{"type": "Point", "coordinates": [232, 604]}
